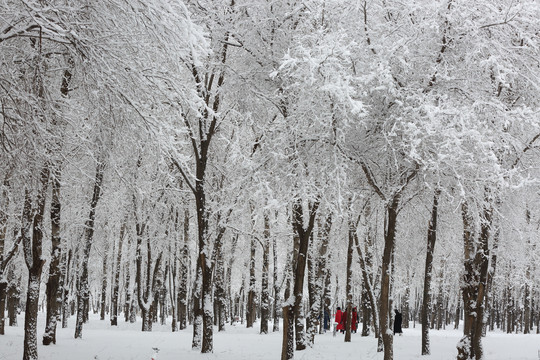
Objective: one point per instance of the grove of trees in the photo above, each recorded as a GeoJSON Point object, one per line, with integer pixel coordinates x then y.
{"type": "Point", "coordinates": [380, 154]}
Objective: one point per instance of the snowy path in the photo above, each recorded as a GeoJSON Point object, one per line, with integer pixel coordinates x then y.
{"type": "Point", "coordinates": [127, 342]}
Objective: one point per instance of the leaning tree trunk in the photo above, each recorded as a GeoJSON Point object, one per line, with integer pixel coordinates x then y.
{"type": "Point", "coordinates": [426, 302]}
{"type": "Point", "coordinates": [84, 292]}
{"type": "Point", "coordinates": [33, 221]}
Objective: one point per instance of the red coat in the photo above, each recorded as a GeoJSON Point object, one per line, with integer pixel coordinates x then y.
{"type": "Point", "coordinates": [338, 319]}
{"type": "Point", "coordinates": [354, 320]}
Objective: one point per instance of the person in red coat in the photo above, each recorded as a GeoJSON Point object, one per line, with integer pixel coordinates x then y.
{"type": "Point", "coordinates": [339, 320]}
{"type": "Point", "coordinates": [354, 320]}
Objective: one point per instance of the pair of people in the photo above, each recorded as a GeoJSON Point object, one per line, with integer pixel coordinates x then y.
{"type": "Point", "coordinates": [341, 319]}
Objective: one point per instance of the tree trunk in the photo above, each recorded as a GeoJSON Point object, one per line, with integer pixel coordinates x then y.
{"type": "Point", "coordinates": [3, 263]}
{"type": "Point", "coordinates": [13, 296]}
{"type": "Point", "coordinates": [33, 221]}
{"type": "Point", "coordinates": [103, 294]}
{"type": "Point", "coordinates": [250, 306]}
{"type": "Point", "coordinates": [304, 235]}
{"type": "Point", "coordinates": [384, 312]}
{"type": "Point", "coordinates": [146, 293]}
{"type": "Point", "coordinates": [183, 286]}
{"type": "Point", "coordinates": [276, 288]}
{"type": "Point", "coordinates": [367, 280]}
{"type": "Point", "coordinates": [53, 291]}
{"type": "Point", "coordinates": [287, 348]}
{"type": "Point", "coordinates": [426, 304]}
{"type": "Point", "coordinates": [265, 291]}
{"type": "Point", "coordinates": [84, 292]}
{"type": "Point", "coordinates": [116, 280]}
{"type": "Point", "coordinates": [476, 265]}
{"type": "Point", "coordinates": [348, 286]}
{"type": "Point", "coordinates": [66, 283]}
{"type": "Point", "coordinates": [197, 310]}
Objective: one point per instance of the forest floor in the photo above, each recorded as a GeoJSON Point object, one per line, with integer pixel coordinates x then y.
{"type": "Point", "coordinates": [102, 342]}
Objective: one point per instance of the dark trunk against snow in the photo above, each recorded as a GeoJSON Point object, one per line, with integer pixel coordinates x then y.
{"type": "Point", "coordinates": [32, 244]}
{"type": "Point", "coordinates": [265, 290]}
{"type": "Point", "coordinates": [426, 303]}
{"type": "Point", "coordinates": [348, 285]}
{"type": "Point", "coordinates": [389, 244]}
{"type": "Point", "coordinates": [250, 306]}
{"type": "Point", "coordinates": [303, 231]}
{"type": "Point", "coordinates": [84, 291]}
{"type": "Point", "coordinates": [115, 293]}
{"type": "Point", "coordinates": [476, 262]}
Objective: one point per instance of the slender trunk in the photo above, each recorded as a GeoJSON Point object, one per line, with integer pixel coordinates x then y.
{"type": "Point", "coordinates": [426, 305]}
{"type": "Point", "coordinates": [33, 221]}
{"type": "Point", "coordinates": [313, 295]}
{"type": "Point", "coordinates": [84, 291]}
{"type": "Point", "coordinates": [13, 296]}
{"type": "Point", "coordinates": [3, 262]}
{"type": "Point", "coordinates": [250, 307]}
{"type": "Point", "coordinates": [265, 291]}
{"type": "Point", "coordinates": [146, 293]}
{"type": "Point", "coordinates": [183, 286]}
{"type": "Point", "coordinates": [405, 306]}
{"type": "Point", "coordinates": [66, 283]}
{"type": "Point", "coordinates": [276, 288]}
{"type": "Point", "coordinates": [304, 235]}
{"type": "Point", "coordinates": [103, 295]}
{"type": "Point", "coordinates": [367, 279]}
{"type": "Point", "coordinates": [115, 293]}
{"type": "Point", "coordinates": [197, 310]}
{"type": "Point", "coordinates": [384, 312]}
{"type": "Point", "coordinates": [53, 290]}
{"type": "Point", "coordinates": [474, 282]}
{"type": "Point", "coordinates": [348, 285]}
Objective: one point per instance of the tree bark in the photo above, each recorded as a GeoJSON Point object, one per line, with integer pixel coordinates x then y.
{"type": "Point", "coordinates": [426, 303]}
{"type": "Point", "coordinates": [33, 221]}
{"type": "Point", "coordinates": [476, 263]}
{"type": "Point", "coordinates": [250, 306]}
{"type": "Point", "coordinates": [348, 285]}
{"type": "Point", "coordinates": [265, 290]}
{"type": "Point", "coordinates": [84, 291]}
{"type": "Point", "coordinates": [389, 244]}
{"type": "Point", "coordinates": [115, 293]}
{"type": "Point", "coordinates": [304, 235]}
{"type": "Point", "coordinates": [53, 291]}
{"type": "Point", "coordinates": [183, 286]}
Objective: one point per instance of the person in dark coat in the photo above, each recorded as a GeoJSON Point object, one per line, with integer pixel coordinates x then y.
{"type": "Point", "coordinates": [397, 323]}
{"type": "Point", "coordinates": [326, 320]}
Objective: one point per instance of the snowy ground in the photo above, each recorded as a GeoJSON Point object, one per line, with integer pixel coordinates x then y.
{"type": "Point", "coordinates": [102, 342]}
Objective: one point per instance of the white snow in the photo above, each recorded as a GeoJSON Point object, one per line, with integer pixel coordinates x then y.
{"type": "Point", "coordinates": [103, 342]}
